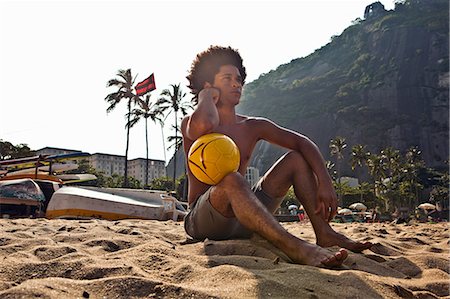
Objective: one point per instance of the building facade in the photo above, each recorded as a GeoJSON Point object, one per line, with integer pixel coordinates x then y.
{"type": "Point", "coordinates": [252, 175]}
{"type": "Point", "coordinates": [136, 169]}
{"type": "Point", "coordinates": [115, 164]}
{"type": "Point", "coordinates": [108, 164]}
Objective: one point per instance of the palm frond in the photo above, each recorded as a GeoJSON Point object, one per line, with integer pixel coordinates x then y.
{"type": "Point", "coordinates": [166, 92]}
{"type": "Point", "coordinates": [183, 111]}
{"type": "Point", "coordinates": [177, 142]}
{"type": "Point", "coordinates": [113, 96]}
{"type": "Point", "coordinates": [113, 82]}
{"type": "Point", "coordinates": [132, 122]}
{"type": "Point", "coordinates": [111, 107]}
{"type": "Point", "coordinates": [113, 99]}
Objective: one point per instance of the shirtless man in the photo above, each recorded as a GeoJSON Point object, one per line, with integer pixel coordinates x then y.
{"type": "Point", "coordinates": [231, 209]}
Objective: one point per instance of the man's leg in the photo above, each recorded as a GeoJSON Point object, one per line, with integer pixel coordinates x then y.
{"type": "Point", "coordinates": [232, 197]}
{"type": "Point", "coordinates": [293, 170]}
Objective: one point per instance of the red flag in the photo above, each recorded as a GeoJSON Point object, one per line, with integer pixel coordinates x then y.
{"type": "Point", "coordinates": [145, 86]}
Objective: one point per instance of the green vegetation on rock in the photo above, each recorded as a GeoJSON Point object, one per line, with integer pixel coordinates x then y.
{"type": "Point", "coordinates": [382, 82]}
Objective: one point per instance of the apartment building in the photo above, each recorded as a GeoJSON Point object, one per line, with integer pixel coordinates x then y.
{"type": "Point", "coordinates": [136, 169]}
{"type": "Point", "coordinates": [108, 164]}
{"type": "Point", "coordinates": [115, 164]}
{"type": "Point", "coordinates": [252, 175]}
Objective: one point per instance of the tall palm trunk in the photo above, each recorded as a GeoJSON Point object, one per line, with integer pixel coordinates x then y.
{"type": "Point", "coordinates": [164, 144]}
{"type": "Point", "coordinates": [339, 181]}
{"type": "Point", "coordinates": [175, 155]}
{"type": "Point", "coordinates": [125, 177]}
{"type": "Point", "coordinates": [146, 151]}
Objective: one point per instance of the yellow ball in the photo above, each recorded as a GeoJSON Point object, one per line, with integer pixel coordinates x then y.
{"type": "Point", "coordinates": [213, 156]}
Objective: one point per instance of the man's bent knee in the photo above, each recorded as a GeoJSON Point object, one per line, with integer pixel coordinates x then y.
{"type": "Point", "coordinates": [225, 191]}
{"type": "Point", "coordinates": [295, 162]}
{"type": "Point", "coordinates": [232, 180]}
{"type": "Point", "coordinates": [295, 157]}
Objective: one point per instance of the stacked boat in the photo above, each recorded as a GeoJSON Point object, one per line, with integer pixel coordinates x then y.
{"type": "Point", "coordinates": [112, 204]}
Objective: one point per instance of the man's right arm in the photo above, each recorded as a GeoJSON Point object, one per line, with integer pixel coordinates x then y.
{"type": "Point", "coordinates": [205, 116]}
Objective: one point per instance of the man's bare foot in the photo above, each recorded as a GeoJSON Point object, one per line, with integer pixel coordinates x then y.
{"type": "Point", "coordinates": [333, 238]}
{"type": "Point", "coordinates": [313, 255]}
{"type": "Point", "coordinates": [336, 258]}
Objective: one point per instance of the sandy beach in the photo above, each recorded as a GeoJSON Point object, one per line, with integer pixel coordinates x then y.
{"type": "Point", "coordinates": [43, 258]}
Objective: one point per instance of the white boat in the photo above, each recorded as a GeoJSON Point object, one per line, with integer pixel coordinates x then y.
{"type": "Point", "coordinates": [113, 204]}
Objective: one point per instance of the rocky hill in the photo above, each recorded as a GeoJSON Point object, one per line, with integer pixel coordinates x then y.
{"type": "Point", "coordinates": [383, 82]}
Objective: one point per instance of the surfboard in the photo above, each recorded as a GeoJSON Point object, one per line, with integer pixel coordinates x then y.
{"type": "Point", "coordinates": [35, 162]}
{"type": "Point", "coordinates": [34, 176]}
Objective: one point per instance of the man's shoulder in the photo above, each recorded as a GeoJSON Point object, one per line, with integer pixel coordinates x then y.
{"type": "Point", "coordinates": [184, 122]}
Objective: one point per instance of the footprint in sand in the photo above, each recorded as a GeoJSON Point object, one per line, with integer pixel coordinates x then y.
{"type": "Point", "coordinates": [381, 249]}
{"type": "Point", "coordinates": [110, 246]}
{"type": "Point", "coordinates": [46, 253]}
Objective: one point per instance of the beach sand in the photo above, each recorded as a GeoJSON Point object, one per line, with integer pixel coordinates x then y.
{"type": "Point", "coordinates": [43, 258]}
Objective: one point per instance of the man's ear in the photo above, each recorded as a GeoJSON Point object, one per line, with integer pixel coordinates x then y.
{"type": "Point", "coordinates": [207, 85]}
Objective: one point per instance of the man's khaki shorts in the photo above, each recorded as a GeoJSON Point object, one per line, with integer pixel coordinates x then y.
{"type": "Point", "coordinates": [203, 221]}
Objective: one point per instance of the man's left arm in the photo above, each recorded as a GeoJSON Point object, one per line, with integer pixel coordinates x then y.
{"type": "Point", "coordinates": [326, 196]}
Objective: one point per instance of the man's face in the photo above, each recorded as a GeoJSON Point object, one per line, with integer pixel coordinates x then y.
{"type": "Point", "coordinates": [229, 81]}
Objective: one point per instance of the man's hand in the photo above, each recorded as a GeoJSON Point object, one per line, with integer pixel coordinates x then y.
{"type": "Point", "coordinates": [209, 92]}
{"type": "Point", "coordinates": [205, 117]}
{"type": "Point", "coordinates": [326, 204]}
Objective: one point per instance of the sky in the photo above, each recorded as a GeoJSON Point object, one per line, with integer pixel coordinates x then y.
{"type": "Point", "coordinates": [57, 56]}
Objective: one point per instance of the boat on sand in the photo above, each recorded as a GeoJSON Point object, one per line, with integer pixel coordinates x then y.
{"type": "Point", "coordinates": [113, 204]}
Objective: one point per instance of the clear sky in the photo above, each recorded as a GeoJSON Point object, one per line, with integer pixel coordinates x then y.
{"type": "Point", "coordinates": [56, 57]}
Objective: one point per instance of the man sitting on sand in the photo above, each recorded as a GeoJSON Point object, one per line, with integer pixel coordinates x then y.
{"type": "Point", "coordinates": [232, 209]}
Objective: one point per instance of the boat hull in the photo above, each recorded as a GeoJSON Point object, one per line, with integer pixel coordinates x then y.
{"type": "Point", "coordinates": [73, 202]}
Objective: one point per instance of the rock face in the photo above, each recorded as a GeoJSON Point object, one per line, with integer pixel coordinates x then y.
{"type": "Point", "coordinates": [383, 82]}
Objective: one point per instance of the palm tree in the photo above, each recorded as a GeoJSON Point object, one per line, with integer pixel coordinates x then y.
{"type": "Point", "coordinates": [413, 164]}
{"type": "Point", "coordinates": [330, 167]}
{"type": "Point", "coordinates": [124, 83]}
{"type": "Point", "coordinates": [364, 187]}
{"type": "Point", "coordinates": [377, 169]}
{"type": "Point", "coordinates": [161, 124]}
{"type": "Point", "coordinates": [176, 140]}
{"type": "Point", "coordinates": [337, 146]}
{"type": "Point", "coordinates": [358, 158]}
{"type": "Point", "coordinates": [173, 100]}
{"type": "Point", "coordinates": [392, 158]}
{"type": "Point", "coordinates": [145, 110]}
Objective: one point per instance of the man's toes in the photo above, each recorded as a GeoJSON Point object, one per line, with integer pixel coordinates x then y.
{"type": "Point", "coordinates": [335, 259]}
{"type": "Point", "coordinates": [343, 254]}
{"type": "Point", "coordinates": [329, 261]}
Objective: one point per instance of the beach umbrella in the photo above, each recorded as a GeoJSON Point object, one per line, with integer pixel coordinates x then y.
{"type": "Point", "coordinates": [358, 206]}
{"type": "Point", "coordinates": [345, 212]}
{"type": "Point", "coordinates": [427, 206]}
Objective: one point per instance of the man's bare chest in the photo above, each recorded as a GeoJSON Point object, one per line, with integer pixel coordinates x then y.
{"type": "Point", "coordinates": [243, 138]}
